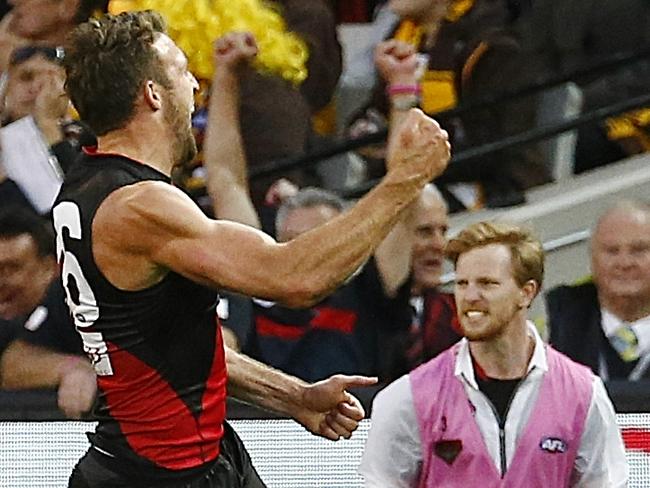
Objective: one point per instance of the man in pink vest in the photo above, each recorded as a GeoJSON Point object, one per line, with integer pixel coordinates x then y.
{"type": "Point", "coordinates": [500, 408]}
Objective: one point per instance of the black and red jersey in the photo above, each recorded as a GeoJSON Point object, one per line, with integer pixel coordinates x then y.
{"type": "Point", "coordinates": [157, 352]}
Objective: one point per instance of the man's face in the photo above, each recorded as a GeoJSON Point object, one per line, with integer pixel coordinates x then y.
{"type": "Point", "coordinates": [39, 19]}
{"type": "Point", "coordinates": [620, 255]}
{"type": "Point", "coordinates": [25, 82]}
{"type": "Point", "coordinates": [430, 228]}
{"type": "Point", "coordinates": [24, 275]}
{"type": "Point", "coordinates": [487, 296]}
{"type": "Point", "coordinates": [300, 220]}
{"type": "Point", "coordinates": [179, 101]}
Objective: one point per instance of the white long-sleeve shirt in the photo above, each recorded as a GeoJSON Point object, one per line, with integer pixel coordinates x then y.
{"type": "Point", "coordinates": [393, 454]}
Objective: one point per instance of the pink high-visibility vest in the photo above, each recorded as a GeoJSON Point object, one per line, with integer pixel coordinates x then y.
{"type": "Point", "coordinates": [455, 454]}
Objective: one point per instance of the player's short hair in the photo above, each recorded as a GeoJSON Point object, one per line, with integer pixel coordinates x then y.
{"type": "Point", "coordinates": [107, 62]}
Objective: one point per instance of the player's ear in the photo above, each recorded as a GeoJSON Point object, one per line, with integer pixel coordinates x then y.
{"type": "Point", "coordinates": [152, 95]}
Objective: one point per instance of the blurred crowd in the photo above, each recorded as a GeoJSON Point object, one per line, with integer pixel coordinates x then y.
{"type": "Point", "coordinates": [393, 314]}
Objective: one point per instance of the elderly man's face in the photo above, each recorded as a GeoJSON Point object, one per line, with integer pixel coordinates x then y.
{"type": "Point", "coordinates": [620, 254]}
{"type": "Point", "coordinates": [25, 82]}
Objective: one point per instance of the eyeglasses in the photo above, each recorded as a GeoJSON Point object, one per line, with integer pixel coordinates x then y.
{"type": "Point", "coordinates": [22, 54]}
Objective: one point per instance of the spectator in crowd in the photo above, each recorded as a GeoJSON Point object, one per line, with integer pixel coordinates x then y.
{"type": "Point", "coordinates": [43, 22]}
{"type": "Point", "coordinates": [39, 347]}
{"type": "Point", "coordinates": [433, 324]}
{"type": "Point", "coordinates": [397, 337]}
{"type": "Point", "coordinates": [433, 321]}
{"type": "Point", "coordinates": [563, 36]}
{"type": "Point", "coordinates": [265, 102]}
{"type": "Point", "coordinates": [153, 259]}
{"type": "Point", "coordinates": [466, 54]}
{"type": "Point", "coordinates": [605, 323]}
{"type": "Point", "coordinates": [365, 324]}
{"type": "Point", "coordinates": [339, 335]}
{"type": "Point", "coordinates": [34, 88]}
{"type": "Point", "coordinates": [299, 115]}
{"type": "Point", "coordinates": [486, 409]}
{"type": "Point", "coordinates": [392, 336]}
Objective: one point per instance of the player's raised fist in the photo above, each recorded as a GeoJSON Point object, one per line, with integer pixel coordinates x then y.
{"type": "Point", "coordinates": [419, 149]}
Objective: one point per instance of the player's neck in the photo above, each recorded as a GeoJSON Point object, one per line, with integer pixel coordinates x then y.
{"type": "Point", "coordinates": [140, 144]}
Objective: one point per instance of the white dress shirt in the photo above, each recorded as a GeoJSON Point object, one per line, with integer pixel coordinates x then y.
{"type": "Point", "coordinates": [393, 455]}
{"type": "Point", "coordinates": [610, 323]}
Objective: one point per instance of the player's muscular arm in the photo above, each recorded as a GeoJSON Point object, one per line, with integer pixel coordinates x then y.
{"type": "Point", "coordinates": [154, 223]}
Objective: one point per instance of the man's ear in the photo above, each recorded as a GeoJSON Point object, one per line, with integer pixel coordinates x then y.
{"type": "Point", "coordinates": [528, 293]}
{"type": "Point", "coordinates": [152, 95]}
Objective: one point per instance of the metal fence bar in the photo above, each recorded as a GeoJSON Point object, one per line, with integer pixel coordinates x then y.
{"type": "Point", "coordinates": [533, 135]}
{"type": "Point", "coordinates": [611, 63]}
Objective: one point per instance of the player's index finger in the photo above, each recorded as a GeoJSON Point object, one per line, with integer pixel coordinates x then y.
{"type": "Point", "coordinates": [358, 380]}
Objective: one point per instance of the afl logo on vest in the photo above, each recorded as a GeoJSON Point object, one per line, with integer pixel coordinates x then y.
{"type": "Point", "coordinates": [553, 445]}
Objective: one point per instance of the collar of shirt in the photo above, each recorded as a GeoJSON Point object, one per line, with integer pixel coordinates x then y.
{"type": "Point", "coordinates": [418, 309]}
{"type": "Point", "coordinates": [610, 323]}
{"type": "Point", "coordinates": [464, 368]}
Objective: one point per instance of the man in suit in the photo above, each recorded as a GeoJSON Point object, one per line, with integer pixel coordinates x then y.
{"type": "Point", "coordinates": [605, 323]}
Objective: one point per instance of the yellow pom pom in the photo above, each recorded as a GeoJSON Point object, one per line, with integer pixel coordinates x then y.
{"type": "Point", "coordinates": [196, 24]}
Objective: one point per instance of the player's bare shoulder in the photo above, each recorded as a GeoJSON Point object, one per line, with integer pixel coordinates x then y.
{"type": "Point", "coordinates": [133, 224]}
{"type": "Point", "coordinates": [138, 216]}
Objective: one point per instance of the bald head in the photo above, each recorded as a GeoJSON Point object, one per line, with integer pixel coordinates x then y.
{"type": "Point", "coordinates": [624, 208]}
{"type": "Point", "coordinates": [430, 223]}
{"type": "Point", "coordinates": [620, 252]}
{"type": "Point", "coordinates": [430, 196]}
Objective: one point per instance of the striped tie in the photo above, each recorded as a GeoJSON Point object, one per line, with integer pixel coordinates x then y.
{"type": "Point", "coordinates": [625, 342]}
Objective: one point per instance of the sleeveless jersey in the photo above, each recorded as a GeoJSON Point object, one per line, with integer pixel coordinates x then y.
{"type": "Point", "coordinates": [157, 352]}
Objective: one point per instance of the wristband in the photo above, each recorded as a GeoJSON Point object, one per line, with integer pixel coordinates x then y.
{"type": "Point", "coordinates": [404, 102]}
{"type": "Point", "coordinates": [403, 90]}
